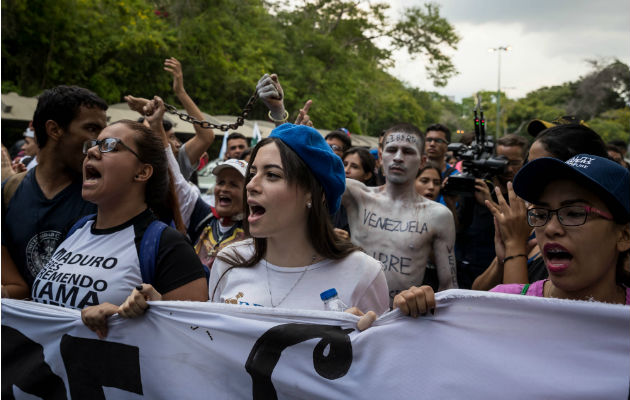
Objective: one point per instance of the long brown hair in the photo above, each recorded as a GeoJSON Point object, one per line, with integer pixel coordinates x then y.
{"type": "Point", "coordinates": [320, 229]}
{"type": "Point", "coordinates": [159, 193]}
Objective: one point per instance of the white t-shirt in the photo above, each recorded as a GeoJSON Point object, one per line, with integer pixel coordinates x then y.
{"type": "Point", "coordinates": [94, 266]}
{"type": "Point", "coordinates": [358, 278]}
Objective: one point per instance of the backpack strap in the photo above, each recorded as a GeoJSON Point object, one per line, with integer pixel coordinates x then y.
{"type": "Point", "coordinates": [525, 288]}
{"type": "Point", "coordinates": [80, 223]}
{"type": "Point", "coordinates": [149, 246]}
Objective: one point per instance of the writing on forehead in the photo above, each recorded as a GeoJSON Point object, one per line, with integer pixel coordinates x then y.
{"type": "Point", "coordinates": [401, 137]}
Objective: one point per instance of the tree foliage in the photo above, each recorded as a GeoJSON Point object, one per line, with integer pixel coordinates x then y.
{"type": "Point", "coordinates": [335, 52]}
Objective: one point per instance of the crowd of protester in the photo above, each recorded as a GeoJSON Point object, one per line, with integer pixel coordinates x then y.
{"type": "Point", "coordinates": [103, 217]}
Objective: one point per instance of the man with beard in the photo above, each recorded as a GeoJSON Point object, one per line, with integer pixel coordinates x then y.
{"type": "Point", "coordinates": [397, 226]}
{"type": "Point", "coordinates": [39, 206]}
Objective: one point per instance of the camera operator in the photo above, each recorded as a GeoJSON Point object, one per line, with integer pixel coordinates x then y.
{"type": "Point", "coordinates": [474, 247]}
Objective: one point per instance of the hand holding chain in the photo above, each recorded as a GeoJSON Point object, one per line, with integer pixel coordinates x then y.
{"type": "Point", "coordinates": [240, 120]}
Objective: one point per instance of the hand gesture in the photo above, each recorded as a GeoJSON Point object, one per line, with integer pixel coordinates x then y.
{"type": "Point", "coordinates": [511, 219]}
{"type": "Point", "coordinates": [173, 66]}
{"type": "Point", "coordinates": [136, 303]}
{"type": "Point", "coordinates": [303, 118]}
{"type": "Point", "coordinates": [482, 192]}
{"type": "Point", "coordinates": [416, 301]}
{"type": "Point", "coordinates": [154, 111]}
{"type": "Point", "coordinates": [270, 92]}
{"type": "Point", "coordinates": [95, 317]}
{"type": "Point", "coordinates": [136, 103]}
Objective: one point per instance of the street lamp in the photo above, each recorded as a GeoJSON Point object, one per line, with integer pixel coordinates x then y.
{"type": "Point", "coordinates": [499, 50]}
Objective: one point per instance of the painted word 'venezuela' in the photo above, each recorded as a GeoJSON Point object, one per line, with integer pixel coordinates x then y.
{"type": "Point", "coordinates": [392, 225]}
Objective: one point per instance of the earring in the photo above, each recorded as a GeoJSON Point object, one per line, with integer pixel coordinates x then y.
{"type": "Point", "coordinates": [309, 205]}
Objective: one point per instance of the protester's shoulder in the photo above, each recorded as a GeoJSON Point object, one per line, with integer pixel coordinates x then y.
{"type": "Point", "coordinates": [17, 182]}
{"type": "Point", "coordinates": [356, 186]}
{"type": "Point", "coordinates": [173, 236]}
{"type": "Point", "coordinates": [436, 208]}
{"type": "Point", "coordinates": [361, 262]}
{"type": "Point", "coordinates": [243, 248]}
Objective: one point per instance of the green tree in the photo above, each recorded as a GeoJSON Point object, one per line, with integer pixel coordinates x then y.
{"type": "Point", "coordinates": [83, 42]}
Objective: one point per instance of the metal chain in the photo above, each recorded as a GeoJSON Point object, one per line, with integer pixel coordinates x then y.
{"type": "Point", "coordinates": [240, 120]}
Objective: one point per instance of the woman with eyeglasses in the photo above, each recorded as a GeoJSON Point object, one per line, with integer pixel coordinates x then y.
{"type": "Point", "coordinates": [125, 174]}
{"type": "Point", "coordinates": [580, 212]}
{"type": "Point", "coordinates": [513, 236]}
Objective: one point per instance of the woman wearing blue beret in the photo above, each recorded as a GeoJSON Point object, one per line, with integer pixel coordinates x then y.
{"type": "Point", "coordinates": [294, 182]}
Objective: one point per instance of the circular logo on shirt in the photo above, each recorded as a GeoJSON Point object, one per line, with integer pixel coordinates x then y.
{"type": "Point", "coordinates": [39, 250]}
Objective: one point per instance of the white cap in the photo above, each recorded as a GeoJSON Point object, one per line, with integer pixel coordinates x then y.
{"type": "Point", "coordinates": [29, 133]}
{"type": "Point", "coordinates": [239, 165]}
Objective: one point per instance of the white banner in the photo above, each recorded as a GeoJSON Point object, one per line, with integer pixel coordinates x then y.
{"type": "Point", "coordinates": [477, 346]}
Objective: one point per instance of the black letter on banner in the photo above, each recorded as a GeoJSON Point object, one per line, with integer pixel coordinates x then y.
{"type": "Point", "coordinates": [92, 364]}
{"type": "Point", "coordinates": [266, 353]}
{"type": "Point", "coordinates": [24, 366]}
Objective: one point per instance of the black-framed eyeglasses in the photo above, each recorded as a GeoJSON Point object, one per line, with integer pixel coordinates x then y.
{"type": "Point", "coordinates": [568, 216]}
{"type": "Point", "coordinates": [106, 145]}
{"type": "Point", "coordinates": [435, 139]}
{"type": "Point", "coordinates": [334, 147]}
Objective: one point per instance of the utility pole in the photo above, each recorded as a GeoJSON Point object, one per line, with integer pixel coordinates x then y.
{"type": "Point", "coordinates": [498, 118]}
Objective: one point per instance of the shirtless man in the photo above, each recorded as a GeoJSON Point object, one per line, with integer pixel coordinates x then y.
{"type": "Point", "coordinates": [394, 224]}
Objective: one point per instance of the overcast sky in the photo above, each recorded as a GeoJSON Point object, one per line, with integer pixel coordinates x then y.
{"type": "Point", "coordinates": [550, 42]}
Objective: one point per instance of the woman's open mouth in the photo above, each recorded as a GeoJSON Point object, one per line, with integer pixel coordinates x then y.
{"type": "Point", "coordinates": [558, 258]}
{"type": "Point", "coordinates": [224, 201]}
{"type": "Point", "coordinates": [256, 212]}
{"type": "Point", "coordinates": [90, 173]}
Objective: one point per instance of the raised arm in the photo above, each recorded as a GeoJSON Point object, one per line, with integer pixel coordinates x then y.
{"type": "Point", "coordinates": [186, 195]}
{"type": "Point", "coordinates": [511, 244]}
{"type": "Point", "coordinates": [203, 138]}
{"type": "Point", "coordinates": [270, 92]}
{"type": "Point", "coordinates": [444, 250]}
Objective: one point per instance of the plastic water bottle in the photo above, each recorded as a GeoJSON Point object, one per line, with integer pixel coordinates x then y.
{"type": "Point", "coordinates": [332, 302]}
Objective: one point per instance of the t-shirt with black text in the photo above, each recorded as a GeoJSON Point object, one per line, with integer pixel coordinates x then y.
{"type": "Point", "coordinates": [94, 266]}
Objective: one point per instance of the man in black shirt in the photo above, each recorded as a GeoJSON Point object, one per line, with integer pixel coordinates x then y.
{"type": "Point", "coordinates": [38, 206]}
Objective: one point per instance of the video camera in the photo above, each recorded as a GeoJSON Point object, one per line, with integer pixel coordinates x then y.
{"type": "Point", "coordinates": [478, 160]}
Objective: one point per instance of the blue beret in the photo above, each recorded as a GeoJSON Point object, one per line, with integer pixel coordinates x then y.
{"type": "Point", "coordinates": [325, 165]}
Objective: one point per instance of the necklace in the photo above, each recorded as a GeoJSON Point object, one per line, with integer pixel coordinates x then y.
{"type": "Point", "coordinates": [292, 287]}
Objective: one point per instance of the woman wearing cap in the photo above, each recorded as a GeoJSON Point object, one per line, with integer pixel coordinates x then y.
{"type": "Point", "coordinates": [294, 182]}
{"type": "Point", "coordinates": [212, 228]}
{"type": "Point", "coordinates": [580, 211]}
{"type": "Point", "coordinates": [513, 236]}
